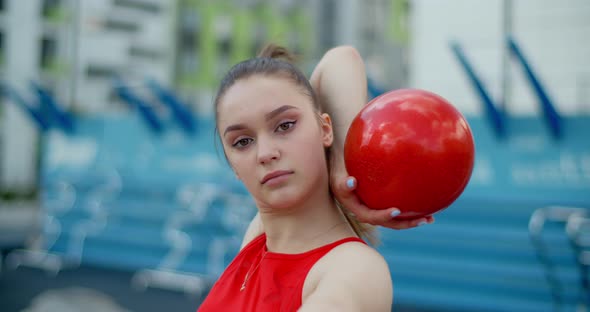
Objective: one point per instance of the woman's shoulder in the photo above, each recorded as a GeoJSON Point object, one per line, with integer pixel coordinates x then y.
{"type": "Point", "coordinates": [352, 254]}
{"type": "Point", "coordinates": [355, 252]}
{"type": "Point", "coordinates": [354, 271]}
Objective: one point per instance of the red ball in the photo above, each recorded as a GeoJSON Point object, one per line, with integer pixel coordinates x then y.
{"type": "Point", "coordinates": [409, 149]}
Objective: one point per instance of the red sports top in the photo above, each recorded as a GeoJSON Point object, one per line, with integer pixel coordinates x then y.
{"type": "Point", "coordinates": [275, 281]}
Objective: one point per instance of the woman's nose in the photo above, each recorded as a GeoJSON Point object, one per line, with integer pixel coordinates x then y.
{"type": "Point", "coordinates": [267, 151]}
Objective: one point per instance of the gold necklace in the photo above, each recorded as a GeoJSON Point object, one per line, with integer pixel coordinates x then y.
{"type": "Point", "coordinates": [247, 277]}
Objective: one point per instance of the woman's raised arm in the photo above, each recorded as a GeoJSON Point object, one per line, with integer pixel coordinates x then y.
{"type": "Point", "coordinates": [340, 82]}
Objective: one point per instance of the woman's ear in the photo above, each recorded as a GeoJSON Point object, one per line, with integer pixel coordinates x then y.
{"type": "Point", "coordinates": [327, 131]}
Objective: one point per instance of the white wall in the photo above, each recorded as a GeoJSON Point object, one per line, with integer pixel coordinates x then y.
{"type": "Point", "coordinates": [99, 46]}
{"type": "Point", "coordinates": [18, 133]}
{"type": "Point", "coordinates": [554, 35]}
{"type": "Point", "coordinates": [23, 26]}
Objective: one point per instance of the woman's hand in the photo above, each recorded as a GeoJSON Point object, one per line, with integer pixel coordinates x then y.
{"type": "Point", "coordinates": [343, 187]}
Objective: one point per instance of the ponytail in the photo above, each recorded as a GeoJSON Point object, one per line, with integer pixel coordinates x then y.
{"type": "Point", "coordinates": [363, 230]}
{"type": "Point", "coordinates": [274, 51]}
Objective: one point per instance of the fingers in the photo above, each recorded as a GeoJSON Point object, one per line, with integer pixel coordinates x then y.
{"type": "Point", "coordinates": [363, 213]}
{"type": "Point", "coordinates": [348, 185]}
{"type": "Point", "coordinates": [410, 223]}
{"type": "Point", "coordinates": [345, 194]}
{"type": "Point", "coordinates": [429, 219]}
{"type": "Point", "coordinates": [371, 216]}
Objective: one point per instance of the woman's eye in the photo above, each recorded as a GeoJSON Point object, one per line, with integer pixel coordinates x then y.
{"type": "Point", "coordinates": [242, 142]}
{"type": "Point", "coordinates": [286, 126]}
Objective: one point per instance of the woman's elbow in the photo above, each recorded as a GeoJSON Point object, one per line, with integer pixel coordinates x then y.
{"type": "Point", "coordinates": [344, 52]}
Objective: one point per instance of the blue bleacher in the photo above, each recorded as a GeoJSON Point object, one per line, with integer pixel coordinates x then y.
{"type": "Point", "coordinates": [477, 256]}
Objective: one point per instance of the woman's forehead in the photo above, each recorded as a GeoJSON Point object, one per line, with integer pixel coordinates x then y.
{"type": "Point", "coordinates": [261, 95]}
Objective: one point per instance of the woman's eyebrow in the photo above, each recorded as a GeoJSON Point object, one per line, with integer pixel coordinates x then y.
{"type": "Point", "coordinates": [234, 128]}
{"type": "Point", "coordinates": [267, 116]}
{"type": "Point", "coordinates": [277, 111]}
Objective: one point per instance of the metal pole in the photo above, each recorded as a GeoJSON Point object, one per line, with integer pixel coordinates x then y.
{"type": "Point", "coordinates": [507, 19]}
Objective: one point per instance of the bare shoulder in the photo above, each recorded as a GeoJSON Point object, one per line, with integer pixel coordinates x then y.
{"type": "Point", "coordinates": [354, 252]}
{"type": "Point", "coordinates": [352, 276]}
{"type": "Point", "coordinates": [362, 262]}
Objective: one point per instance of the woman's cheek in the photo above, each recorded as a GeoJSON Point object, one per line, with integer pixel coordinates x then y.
{"type": "Point", "coordinates": [311, 155]}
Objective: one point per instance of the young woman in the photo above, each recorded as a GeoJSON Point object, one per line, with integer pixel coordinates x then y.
{"type": "Point", "coordinates": [283, 136]}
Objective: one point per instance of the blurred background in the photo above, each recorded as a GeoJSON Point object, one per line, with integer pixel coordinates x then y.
{"type": "Point", "coordinates": [114, 197]}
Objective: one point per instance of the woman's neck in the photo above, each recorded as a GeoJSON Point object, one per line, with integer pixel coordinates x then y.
{"type": "Point", "coordinates": [313, 224]}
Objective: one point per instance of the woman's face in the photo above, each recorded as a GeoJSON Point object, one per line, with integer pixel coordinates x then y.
{"type": "Point", "coordinates": [273, 140]}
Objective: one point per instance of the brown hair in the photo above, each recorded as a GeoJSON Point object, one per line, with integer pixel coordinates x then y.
{"type": "Point", "coordinates": [272, 60]}
{"type": "Point", "coordinates": [275, 60]}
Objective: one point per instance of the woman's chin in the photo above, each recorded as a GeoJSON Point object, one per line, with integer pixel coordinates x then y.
{"type": "Point", "coordinates": [288, 195]}
{"type": "Point", "coordinates": [284, 202]}
{"type": "Point", "coordinates": [284, 198]}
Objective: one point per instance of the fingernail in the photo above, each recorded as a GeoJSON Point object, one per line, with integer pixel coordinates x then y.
{"type": "Point", "coordinates": [395, 213]}
{"type": "Point", "coordinates": [421, 223]}
{"type": "Point", "coordinates": [350, 183]}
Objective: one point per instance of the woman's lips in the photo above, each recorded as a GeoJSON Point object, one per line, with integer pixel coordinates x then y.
{"type": "Point", "coordinates": [274, 175]}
